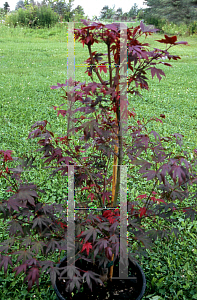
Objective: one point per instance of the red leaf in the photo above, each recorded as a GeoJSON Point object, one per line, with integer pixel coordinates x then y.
{"type": "Point", "coordinates": [103, 68]}
{"type": "Point", "coordinates": [142, 211]}
{"type": "Point", "coordinates": [85, 188]}
{"type": "Point", "coordinates": [7, 154]}
{"type": "Point", "coordinates": [111, 220]}
{"type": "Point", "coordinates": [161, 200]}
{"type": "Point", "coordinates": [92, 196]}
{"type": "Point", "coordinates": [168, 39]}
{"type": "Point", "coordinates": [135, 30]}
{"type": "Point", "coordinates": [107, 213]}
{"type": "Point", "coordinates": [5, 260]}
{"type": "Point", "coordinates": [157, 72]}
{"type": "Point", "coordinates": [162, 116]}
{"type": "Point", "coordinates": [106, 196]}
{"type": "Point", "coordinates": [62, 112]}
{"type": "Point", "coordinates": [108, 252]}
{"type": "Point", "coordinates": [166, 64]}
{"type": "Point", "coordinates": [32, 277]}
{"type": "Point", "coordinates": [147, 28]}
{"type": "Point", "coordinates": [131, 114]}
{"type": "Point", "coordinates": [59, 85]}
{"type": "Point", "coordinates": [185, 43]}
{"type": "Point", "coordinates": [87, 246]}
{"type": "Point", "coordinates": [153, 198]}
{"type": "Point", "coordinates": [20, 268]}
{"type": "Point", "coordinates": [142, 196]}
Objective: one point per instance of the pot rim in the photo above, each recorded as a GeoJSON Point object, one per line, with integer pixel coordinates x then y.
{"type": "Point", "coordinates": [138, 266]}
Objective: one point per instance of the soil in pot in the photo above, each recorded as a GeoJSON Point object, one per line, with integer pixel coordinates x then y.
{"type": "Point", "coordinates": [115, 289]}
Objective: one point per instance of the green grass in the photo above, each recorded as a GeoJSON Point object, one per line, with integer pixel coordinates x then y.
{"type": "Point", "coordinates": [33, 60]}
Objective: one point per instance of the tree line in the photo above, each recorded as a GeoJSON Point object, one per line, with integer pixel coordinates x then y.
{"type": "Point", "coordinates": [65, 12]}
{"type": "Point", "coordinates": [157, 12]}
{"type": "Point", "coordinates": [176, 11]}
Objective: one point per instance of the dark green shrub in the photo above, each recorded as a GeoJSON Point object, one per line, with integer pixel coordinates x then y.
{"type": "Point", "coordinates": [156, 21]}
{"type": "Point", "coordinates": [46, 16]}
{"type": "Point", "coordinates": [140, 14]}
{"type": "Point", "coordinates": [193, 28]}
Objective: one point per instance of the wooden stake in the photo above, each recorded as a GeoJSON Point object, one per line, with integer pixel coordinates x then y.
{"type": "Point", "coordinates": [115, 160]}
{"type": "Point", "coordinates": [111, 269]}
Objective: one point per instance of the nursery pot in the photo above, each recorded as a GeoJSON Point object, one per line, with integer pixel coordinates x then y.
{"type": "Point", "coordinates": [132, 289]}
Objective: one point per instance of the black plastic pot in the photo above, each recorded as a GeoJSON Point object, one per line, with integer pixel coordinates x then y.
{"type": "Point", "coordinates": [117, 289]}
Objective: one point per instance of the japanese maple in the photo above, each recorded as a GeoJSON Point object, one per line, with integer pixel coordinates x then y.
{"type": "Point", "coordinates": [38, 227]}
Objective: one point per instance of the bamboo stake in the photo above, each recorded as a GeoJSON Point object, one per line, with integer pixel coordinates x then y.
{"type": "Point", "coordinates": [114, 180]}
{"type": "Point", "coordinates": [111, 269]}
{"type": "Point", "coordinates": [115, 160]}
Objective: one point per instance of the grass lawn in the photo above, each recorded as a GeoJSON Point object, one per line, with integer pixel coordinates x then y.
{"type": "Point", "coordinates": [33, 60]}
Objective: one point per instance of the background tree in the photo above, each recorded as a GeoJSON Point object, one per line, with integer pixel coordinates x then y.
{"type": "Point", "coordinates": [44, 2]}
{"type": "Point", "coordinates": [19, 4]}
{"type": "Point", "coordinates": [176, 11]}
{"type": "Point", "coordinates": [32, 2]}
{"type": "Point", "coordinates": [95, 18]}
{"type": "Point", "coordinates": [59, 7]}
{"type": "Point", "coordinates": [63, 9]}
{"type": "Point", "coordinates": [6, 7]}
{"type": "Point", "coordinates": [179, 11]}
{"type": "Point", "coordinates": [26, 3]}
{"type": "Point", "coordinates": [78, 13]}
{"type": "Point", "coordinates": [68, 14]}
{"type": "Point", "coordinates": [133, 11]}
{"type": "Point", "coordinates": [118, 13]}
{"type": "Point", "coordinates": [140, 14]}
{"type": "Point", "coordinates": [107, 13]}
{"type": "Point", "coordinates": [79, 10]}
{"type": "Point", "coordinates": [125, 17]}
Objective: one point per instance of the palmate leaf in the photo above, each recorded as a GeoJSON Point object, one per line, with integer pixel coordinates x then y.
{"type": "Point", "coordinates": [90, 232]}
{"type": "Point", "coordinates": [32, 277]}
{"type": "Point", "coordinates": [21, 268]}
{"type": "Point", "coordinates": [13, 203]}
{"type": "Point", "coordinates": [14, 227]}
{"type": "Point", "coordinates": [102, 243]}
{"type": "Point", "coordinates": [190, 213]}
{"type": "Point", "coordinates": [41, 221]}
{"type": "Point", "coordinates": [37, 246]}
{"type": "Point", "coordinates": [157, 72]}
{"type": "Point", "coordinates": [72, 283]}
{"type": "Point", "coordinates": [87, 246]}
{"type": "Point", "coordinates": [54, 271]}
{"type": "Point", "coordinates": [71, 271]}
{"type": "Point", "coordinates": [180, 172]}
{"type": "Point", "coordinates": [52, 245]}
{"type": "Point", "coordinates": [147, 28]}
{"type": "Point", "coordinates": [46, 264]}
{"type": "Point", "coordinates": [26, 193]}
{"type": "Point", "coordinates": [89, 276]}
{"type": "Point", "coordinates": [5, 261]}
{"type": "Point", "coordinates": [24, 255]}
{"type": "Point", "coordinates": [7, 244]}
{"type": "Point", "coordinates": [25, 213]}
{"type": "Point", "coordinates": [26, 241]}
{"type": "Point", "coordinates": [48, 148]}
{"type": "Point", "coordinates": [168, 39]}
{"type": "Point", "coordinates": [25, 163]}
{"type": "Point", "coordinates": [144, 239]}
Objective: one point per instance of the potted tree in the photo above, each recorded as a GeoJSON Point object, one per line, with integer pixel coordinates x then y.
{"type": "Point", "coordinates": [93, 253]}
